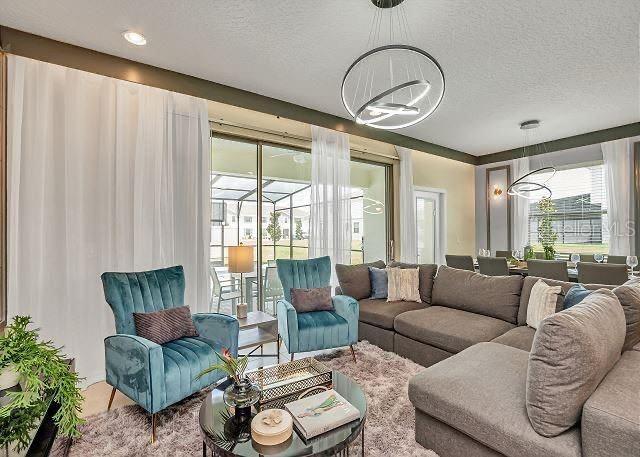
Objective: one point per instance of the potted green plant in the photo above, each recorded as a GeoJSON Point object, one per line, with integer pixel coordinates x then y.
{"type": "Point", "coordinates": [44, 375]}
{"type": "Point", "coordinates": [241, 394]}
{"type": "Point", "coordinates": [546, 234]}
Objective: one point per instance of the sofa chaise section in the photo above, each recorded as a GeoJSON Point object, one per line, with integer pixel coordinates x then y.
{"type": "Point", "coordinates": [611, 416]}
{"type": "Point", "coordinates": [473, 404]}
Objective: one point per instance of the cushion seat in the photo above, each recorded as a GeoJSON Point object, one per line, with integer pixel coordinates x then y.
{"type": "Point", "coordinates": [449, 329]}
{"type": "Point", "coordinates": [183, 359]}
{"type": "Point", "coordinates": [519, 337]}
{"type": "Point", "coordinates": [322, 329]}
{"type": "Point", "coordinates": [481, 391]}
{"type": "Point", "coordinates": [381, 313]}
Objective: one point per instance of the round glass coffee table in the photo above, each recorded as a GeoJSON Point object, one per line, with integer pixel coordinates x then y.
{"type": "Point", "coordinates": [222, 437]}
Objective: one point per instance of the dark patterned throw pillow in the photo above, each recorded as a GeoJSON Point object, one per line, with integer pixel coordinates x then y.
{"type": "Point", "coordinates": [166, 325]}
{"type": "Point", "coordinates": [307, 300]}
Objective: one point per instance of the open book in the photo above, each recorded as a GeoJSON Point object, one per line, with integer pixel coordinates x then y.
{"type": "Point", "coordinates": [320, 413]}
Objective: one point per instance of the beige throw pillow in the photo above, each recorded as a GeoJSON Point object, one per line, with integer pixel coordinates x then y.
{"type": "Point", "coordinates": [542, 302]}
{"type": "Point", "coordinates": [404, 284]}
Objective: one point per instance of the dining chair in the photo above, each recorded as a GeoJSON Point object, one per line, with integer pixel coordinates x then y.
{"type": "Point", "coordinates": [272, 288]}
{"type": "Point", "coordinates": [222, 291]}
{"type": "Point", "coordinates": [617, 259]}
{"type": "Point", "coordinates": [610, 274]}
{"type": "Point", "coordinates": [493, 266]}
{"type": "Point", "coordinates": [503, 254]}
{"type": "Point", "coordinates": [587, 258]}
{"type": "Point", "coordinates": [461, 262]}
{"type": "Point", "coordinates": [550, 269]}
{"type": "Point", "coordinates": [158, 375]}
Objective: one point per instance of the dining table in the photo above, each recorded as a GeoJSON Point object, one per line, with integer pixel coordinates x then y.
{"type": "Point", "coordinates": [524, 271]}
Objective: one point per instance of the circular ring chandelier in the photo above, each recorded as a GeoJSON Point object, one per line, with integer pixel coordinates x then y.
{"type": "Point", "coordinates": [525, 186]}
{"type": "Point", "coordinates": [392, 86]}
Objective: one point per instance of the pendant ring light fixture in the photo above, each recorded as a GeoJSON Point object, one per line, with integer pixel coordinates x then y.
{"type": "Point", "coordinates": [392, 86]}
{"type": "Point", "coordinates": [526, 186]}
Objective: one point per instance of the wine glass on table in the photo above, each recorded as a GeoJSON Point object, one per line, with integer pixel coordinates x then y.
{"type": "Point", "coordinates": [632, 261]}
{"type": "Point", "coordinates": [575, 258]}
{"type": "Point", "coordinates": [598, 257]}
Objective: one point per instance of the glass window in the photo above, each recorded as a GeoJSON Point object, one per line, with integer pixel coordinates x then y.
{"type": "Point", "coordinates": [233, 181]}
{"type": "Point", "coordinates": [579, 215]}
{"type": "Point", "coordinates": [369, 212]}
{"type": "Point", "coordinates": [282, 230]}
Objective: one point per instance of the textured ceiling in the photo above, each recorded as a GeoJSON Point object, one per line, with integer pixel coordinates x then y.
{"type": "Point", "coordinates": [573, 64]}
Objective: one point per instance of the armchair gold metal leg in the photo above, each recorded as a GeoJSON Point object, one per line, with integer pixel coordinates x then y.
{"type": "Point", "coordinates": [153, 428]}
{"type": "Point", "coordinates": [353, 354]}
{"type": "Point", "coordinates": [113, 393]}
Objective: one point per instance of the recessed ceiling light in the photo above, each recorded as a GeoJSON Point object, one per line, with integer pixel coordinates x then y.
{"type": "Point", "coordinates": [134, 38]}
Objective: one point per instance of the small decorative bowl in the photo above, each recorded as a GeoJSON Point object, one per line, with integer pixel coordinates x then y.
{"type": "Point", "coordinates": [271, 426]}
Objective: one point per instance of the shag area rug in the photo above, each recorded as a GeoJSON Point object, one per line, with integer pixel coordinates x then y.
{"type": "Point", "coordinates": [389, 429]}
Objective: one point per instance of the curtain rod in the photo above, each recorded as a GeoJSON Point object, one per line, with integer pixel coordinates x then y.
{"type": "Point", "coordinates": [289, 136]}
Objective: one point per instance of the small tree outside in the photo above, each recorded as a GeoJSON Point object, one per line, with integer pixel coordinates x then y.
{"type": "Point", "coordinates": [299, 234]}
{"type": "Point", "coordinates": [546, 234]}
{"type": "Point", "coordinates": [273, 229]}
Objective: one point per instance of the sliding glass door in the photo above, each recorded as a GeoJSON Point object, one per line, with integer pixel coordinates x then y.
{"type": "Point", "coordinates": [234, 220]}
{"type": "Point", "coordinates": [251, 178]}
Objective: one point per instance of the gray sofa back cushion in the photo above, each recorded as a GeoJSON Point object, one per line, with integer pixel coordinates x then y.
{"type": "Point", "coordinates": [528, 283]}
{"type": "Point", "coordinates": [426, 274]}
{"type": "Point", "coordinates": [354, 279]}
{"type": "Point", "coordinates": [572, 352]}
{"type": "Point", "coordinates": [494, 296]}
{"type": "Point", "coordinates": [629, 296]}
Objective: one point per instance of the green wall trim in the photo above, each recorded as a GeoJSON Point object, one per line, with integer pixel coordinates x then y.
{"type": "Point", "coordinates": [599, 136]}
{"type": "Point", "coordinates": [52, 51]}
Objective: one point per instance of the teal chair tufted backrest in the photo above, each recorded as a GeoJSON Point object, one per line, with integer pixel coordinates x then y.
{"type": "Point", "coordinates": [142, 292]}
{"type": "Point", "coordinates": [303, 274]}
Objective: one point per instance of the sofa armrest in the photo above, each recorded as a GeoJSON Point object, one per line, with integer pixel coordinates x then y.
{"type": "Point", "coordinates": [288, 325]}
{"type": "Point", "coordinates": [135, 366]}
{"type": "Point", "coordinates": [348, 308]}
{"type": "Point", "coordinates": [220, 328]}
{"type": "Point", "coordinates": [611, 416]}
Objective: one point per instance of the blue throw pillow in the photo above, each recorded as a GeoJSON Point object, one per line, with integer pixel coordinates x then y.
{"type": "Point", "coordinates": [575, 295]}
{"type": "Point", "coordinates": [379, 282]}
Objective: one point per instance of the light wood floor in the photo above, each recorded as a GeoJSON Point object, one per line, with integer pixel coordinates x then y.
{"type": "Point", "coordinates": [96, 396]}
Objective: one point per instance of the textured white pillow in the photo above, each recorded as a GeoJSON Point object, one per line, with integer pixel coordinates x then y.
{"type": "Point", "coordinates": [404, 284]}
{"type": "Point", "coordinates": [542, 302]}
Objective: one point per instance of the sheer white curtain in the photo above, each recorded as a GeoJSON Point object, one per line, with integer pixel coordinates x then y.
{"type": "Point", "coordinates": [618, 166]}
{"type": "Point", "coordinates": [103, 175]}
{"type": "Point", "coordinates": [520, 205]}
{"type": "Point", "coordinates": [408, 230]}
{"type": "Point", "coordinates": [330, 218]}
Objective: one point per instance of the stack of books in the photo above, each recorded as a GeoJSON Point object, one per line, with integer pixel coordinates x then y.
{"type": "Point", "coordinates": [320, 413]}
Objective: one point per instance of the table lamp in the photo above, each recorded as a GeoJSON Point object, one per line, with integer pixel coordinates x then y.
{"type": "Point", "coordinates": [241, 261]}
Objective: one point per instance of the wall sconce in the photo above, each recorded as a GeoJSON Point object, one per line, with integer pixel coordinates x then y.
{"type": "Point", "coordinates": [497, 192]}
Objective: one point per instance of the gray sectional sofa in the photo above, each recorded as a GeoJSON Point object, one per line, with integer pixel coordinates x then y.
{"type": "Point", "coordinates": [471, 333]}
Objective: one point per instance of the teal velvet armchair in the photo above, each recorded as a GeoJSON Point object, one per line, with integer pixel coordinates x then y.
{"type": "Point", "coordinates": [313, 331]}
{"type": "Point", "coordinates": [153, 375]}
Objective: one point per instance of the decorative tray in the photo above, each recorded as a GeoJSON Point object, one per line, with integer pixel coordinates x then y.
{"type": "Point", "coordinates": [283, 383]}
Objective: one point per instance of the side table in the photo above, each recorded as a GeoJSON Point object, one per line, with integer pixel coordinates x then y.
{"type": "Point", "coordinates": [257, 329]}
